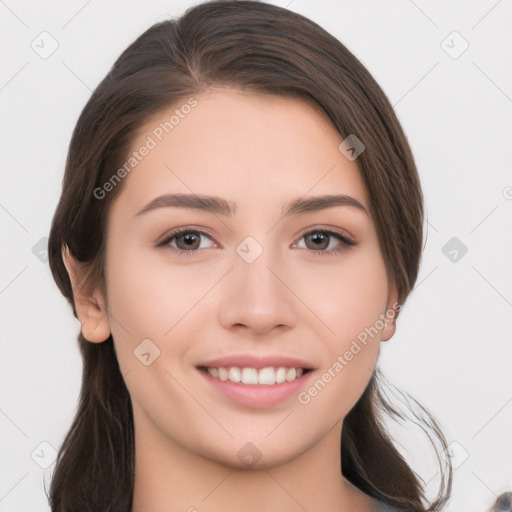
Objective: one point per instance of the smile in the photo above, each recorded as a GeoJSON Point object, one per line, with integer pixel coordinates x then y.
{"type": "Point", "coordinates": [264, 376]}
{"type": "Point", "coordinates": [256, 388]}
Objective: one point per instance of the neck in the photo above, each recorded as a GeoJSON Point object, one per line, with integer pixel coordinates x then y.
{"type": "Point", "coordinates": [168, 476]}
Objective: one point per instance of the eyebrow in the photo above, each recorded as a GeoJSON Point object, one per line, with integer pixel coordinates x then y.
{"type": "Point", "coordinates": [220, 206]}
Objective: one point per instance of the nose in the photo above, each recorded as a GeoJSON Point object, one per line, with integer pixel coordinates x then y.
{"type": "Point", "coordinates": [258, 296]}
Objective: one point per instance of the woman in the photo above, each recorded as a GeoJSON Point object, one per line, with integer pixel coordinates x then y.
{"type": "Point", "coordinates": [239, 226]}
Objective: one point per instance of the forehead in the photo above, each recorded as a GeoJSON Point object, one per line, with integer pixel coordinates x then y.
{"type": "Point", "coordinates": [241, 145]}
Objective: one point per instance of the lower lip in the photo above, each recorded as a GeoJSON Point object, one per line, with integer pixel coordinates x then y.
{"type": "Point", "coordinates": [257, 395]}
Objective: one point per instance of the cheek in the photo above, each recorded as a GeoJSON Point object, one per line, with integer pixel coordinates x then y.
{"type": "Point", "coordinates": [151, 295]}
{"type": "Point", "coordinates": [151, 298]}
{"type": "Point", "coordinates": [350, 303]}
{"type": "Point", "coordinates": [354, 297]}
{"type": "Point", "coordinates": [347, 295]}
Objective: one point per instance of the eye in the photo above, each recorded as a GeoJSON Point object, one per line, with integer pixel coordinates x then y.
{"type": "Point", "coordinates": [184, 240]}
{"type": "Point", "coordinates": [322, 240]}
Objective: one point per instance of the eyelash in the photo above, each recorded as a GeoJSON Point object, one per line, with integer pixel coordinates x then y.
{"type": "Point", "coordinates": [164, 244]}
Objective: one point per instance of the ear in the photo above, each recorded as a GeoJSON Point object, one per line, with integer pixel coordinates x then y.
{"type": "Point", "coordinates": [392, 310]}
{"type": "Point", "coordinates": [89, 301]}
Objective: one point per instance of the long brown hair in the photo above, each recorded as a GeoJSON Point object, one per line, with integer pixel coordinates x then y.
{"type": "Point", "coordinates": [256, 47]}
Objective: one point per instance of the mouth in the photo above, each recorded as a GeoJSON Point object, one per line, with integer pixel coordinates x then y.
{"type": "Point", "coordinates": [256, 380]}
{"type": "Point", "coordinates": [252, 387]}
{"type": "Point", "coordinates": [267, 376]}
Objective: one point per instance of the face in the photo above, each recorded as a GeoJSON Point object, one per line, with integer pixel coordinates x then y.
{"type": "Point", "coordinates": [259, 277]}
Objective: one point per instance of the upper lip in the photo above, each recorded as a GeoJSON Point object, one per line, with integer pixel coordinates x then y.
{"type": "Point", "coordinates": [258, 362]}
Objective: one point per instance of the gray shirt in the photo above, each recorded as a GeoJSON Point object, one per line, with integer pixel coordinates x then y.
{"type": "Point", "coordinates": [383, 507]}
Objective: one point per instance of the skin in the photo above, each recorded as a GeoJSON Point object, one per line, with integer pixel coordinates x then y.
{"type": "Point", "coordinates": [261, 152]}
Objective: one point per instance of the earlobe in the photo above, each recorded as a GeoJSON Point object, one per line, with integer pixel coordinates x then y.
{"type": "Point", "coordinates": [89, 301]}
{"type": "Point", "coordinates": [389, 330]}
{"type": "Point", "coordinates": [391, 313]}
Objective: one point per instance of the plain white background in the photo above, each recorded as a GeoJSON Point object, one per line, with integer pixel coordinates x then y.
{"type": "Point", "coordinates": [452, 349]}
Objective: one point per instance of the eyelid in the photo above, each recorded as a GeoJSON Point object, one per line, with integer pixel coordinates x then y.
{"type": "Point", "coordinates": [343, 234]}
{"type": "Point", "coordinates": [347, 240]}
{"type": "Point", "coordinates": [161, 241]}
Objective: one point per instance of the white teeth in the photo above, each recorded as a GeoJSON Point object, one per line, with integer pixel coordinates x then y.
{"type": "Point", "coordinates": [249, 376]}
{"type": "Point", "coordinates": [291, 374]}
{"type": "Point", "coordinates": [280, 375]}
{"type": "Point", "coordinates": [264, 376]}
{"type": "Point", "coordinates": [234, 374]}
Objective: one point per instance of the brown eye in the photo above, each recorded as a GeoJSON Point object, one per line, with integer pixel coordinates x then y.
{"type": "Point", "coordinates": [319, 240]}
{"type": "Point", "coordinates": [184, 241]}
{"type": "Point", "coordinates": [188, 240]}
